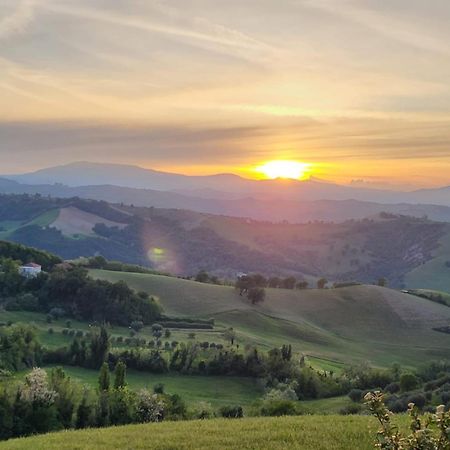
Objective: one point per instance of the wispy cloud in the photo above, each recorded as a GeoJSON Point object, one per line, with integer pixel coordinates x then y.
{"type": "Point", "coordinates": [403, 31]}
{"type": "Point", "coordinates": [19, 19]}
{"type": "Point", "coordinates": [201, 31]}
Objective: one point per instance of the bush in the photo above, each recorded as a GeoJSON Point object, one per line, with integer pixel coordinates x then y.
{"type": "Point", "coordinates": [158, 388]}
{"type": "Point", "coordinates": [356, 395]}
{"type": "Point", "coordinates": [408, 382]}
{"type": "Point", "coordinates": [350, 409]}
{"type": "Point", "coordinates": [418, 399]}
{"type": "Point", "coordinates": [50, 331]}
{"type": "Point", "coordinates": [278, 408]}
{"type": "Point", "coordinates": [232, 412]}
{"type": "Point", "coordinates": [392, 388]}
{"type": "Point", "coordinates": [445, 397]}
{"type": "Point", "coordinates": [79, 333]}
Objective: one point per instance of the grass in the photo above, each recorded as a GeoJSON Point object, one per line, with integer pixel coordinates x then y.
{"type": "Point", "coordinates": [218, 391]}
{"type": "Point", "coordinates": [434, 274]}
{"type": "Point", "coordinates": [45, 219]}
{"type": "Point", "coordinates": [334, 326]}
{"type": "Point", "coordinates": [302, 433]}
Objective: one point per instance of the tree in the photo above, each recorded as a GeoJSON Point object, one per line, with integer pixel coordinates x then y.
{"type": "Point", "coordinates": [289, 283]}
{"type": "Point", "coordinates": [120, 375]}
{"type": "Point", "coordinates": [302, 285]}
{"type": "Point", "coordinates": [84, 412]}
{"type": "Point", "coordinates": [321, 283]}
{"type": "Point", "coordinates": [408, 382]}
{"type": "Point", "coordinates": [382, 282]}
{"type": "Point", "coordinates": [230, 335]}
{"type": "Point", "coordinates": [99, 347]}
{"type": "Point", "coordinates": [103, 378]}
{"type": "Point", "coordinates": [274, 282]}
{"type": "Point", "coordinates": [202, 277]}
{"type": "Point", "coordinates": [256, 295]}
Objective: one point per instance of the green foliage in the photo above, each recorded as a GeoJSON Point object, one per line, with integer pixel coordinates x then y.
{"type": "Point", "coordinates": [408, 382]}
{"type": "Point", "coordinates": [431, 432]}
{"type": "Point", "coordinates": [103, 378]}
{"type": "Point", "coordinates": [120, 375]}
{"type": "Point", "coordinates": [19, 348]}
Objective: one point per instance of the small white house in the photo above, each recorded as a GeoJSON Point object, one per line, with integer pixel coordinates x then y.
{"type": "Point", "coordinates": [30, 270]}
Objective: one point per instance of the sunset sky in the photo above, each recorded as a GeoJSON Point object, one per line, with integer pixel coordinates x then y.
{"type": "Point", "coordinates": [357, 89]}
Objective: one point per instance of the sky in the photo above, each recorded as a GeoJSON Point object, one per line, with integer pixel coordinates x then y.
{"type": "Point", "coordinates": [357, 89]}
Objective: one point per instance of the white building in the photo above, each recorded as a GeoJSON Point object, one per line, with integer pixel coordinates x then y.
{"type": "Point", "coordinates": [30, 270]}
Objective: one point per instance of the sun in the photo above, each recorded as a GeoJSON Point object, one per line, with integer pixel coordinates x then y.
{"type": "Point", "coordinates": [283, 169]}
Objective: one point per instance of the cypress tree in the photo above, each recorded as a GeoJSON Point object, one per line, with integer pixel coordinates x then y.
{"type": "Point", "coordinates": [103, 379]}
{"type": "Point", "coordinates": [120, 375]}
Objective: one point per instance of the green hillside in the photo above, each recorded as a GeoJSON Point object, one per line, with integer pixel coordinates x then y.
{"type": "Point", "coordinates": [305, 433]}
{"type": "Point", "coordinates": [409, 252]}
{"type": "Point", "coordinates": [343, 325]}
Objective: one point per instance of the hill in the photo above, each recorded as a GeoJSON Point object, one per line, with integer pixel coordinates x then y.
{"type": "Point", "coordinates": [343, 325]}
{"type": "Point", "coordinates": [407, 251]}
{"type": "Point", "coordinates": [258, 206]}
{"type": "Point", "coordinates": [306, 432]}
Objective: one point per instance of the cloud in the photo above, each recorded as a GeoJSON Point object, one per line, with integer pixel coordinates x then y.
{"type": "Point", "coordinates": [199, 30]}
{"type": "Point", "coordinates": [19, 19]}
{"type": "Point", "coordinates": [403, 31]}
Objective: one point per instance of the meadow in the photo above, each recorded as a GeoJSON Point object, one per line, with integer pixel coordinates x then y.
{"type": "Point", "coordinates": [303, 432]}
{"type": "Point", "coordinates": [331, 326]}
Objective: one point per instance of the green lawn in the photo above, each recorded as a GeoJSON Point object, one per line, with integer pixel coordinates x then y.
{"type": "Point", "coordinates": [302, 433]}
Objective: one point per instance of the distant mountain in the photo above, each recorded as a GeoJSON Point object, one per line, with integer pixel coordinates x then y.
{"type": "Point", "coordinates": [222, 186]}
{"type": "Point", "coordinates": [274, 210]}
{"type": "Point", "coordinates": [265, 209]}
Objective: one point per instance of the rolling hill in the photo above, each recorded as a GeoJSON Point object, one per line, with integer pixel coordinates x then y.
{"type": "Point", "coordinates": [409, 252]}
{"type": "Point", "coordinates": [345, 324]}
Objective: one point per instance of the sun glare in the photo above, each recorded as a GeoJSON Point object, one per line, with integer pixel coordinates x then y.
{"type": "Point", "coordinates": [283, 169]}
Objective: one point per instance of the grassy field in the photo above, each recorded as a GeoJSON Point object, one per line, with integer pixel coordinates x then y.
{"type": "Point", "coordinates": [335, 325]}
{"type": "Point", "coordinates": [433, 274]}
{"type": "Point", "coordinates": [304, 432]}
{"type": "Point", "coordinates": [216, 390]}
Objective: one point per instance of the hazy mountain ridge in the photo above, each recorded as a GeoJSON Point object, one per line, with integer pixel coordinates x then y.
{"type": "Point", "coordinates": [92, 174]}
{"type": "Point", "coordinates": [258, 206]}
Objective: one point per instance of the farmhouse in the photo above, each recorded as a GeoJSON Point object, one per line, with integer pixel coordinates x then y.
{"type": "Point", "coordinates": [30, 270]}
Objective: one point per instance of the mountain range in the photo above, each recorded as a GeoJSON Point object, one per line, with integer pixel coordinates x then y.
{"type": "Point", "coordinates": [228, 194]}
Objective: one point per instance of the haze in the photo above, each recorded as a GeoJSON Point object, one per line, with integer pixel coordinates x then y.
{"type": "Point", "coordinates": [356, 89]}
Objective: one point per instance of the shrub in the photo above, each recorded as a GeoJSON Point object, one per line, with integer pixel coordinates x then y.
{"type": "Point", "coordinates": [65, 331]}
{"type": "Point", "coordinates": [278, 408]}
{"type": "Point", "coordinates": [392, 388]}
{"type": "Point", "coordinates": [418, 399]}
{"type": "Point", "coordinates": [232, 412]}
{"type": "Point", "coordinates": [137, 325]}
{"type": "Point", "coordinates": [356, 395]}
{"type": "Point", "coordinates": [350, 409]}
{"type": "Point", "coordinates": [445, 397]}
{"type": "Point", "coordinates": [50, 331]}
{"type": "Point", "coordinates": [191, 336]}
{"type": "Point", "coordinates": [158, 388]}
{"type": "Point", "coordinates": [408, 382]}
